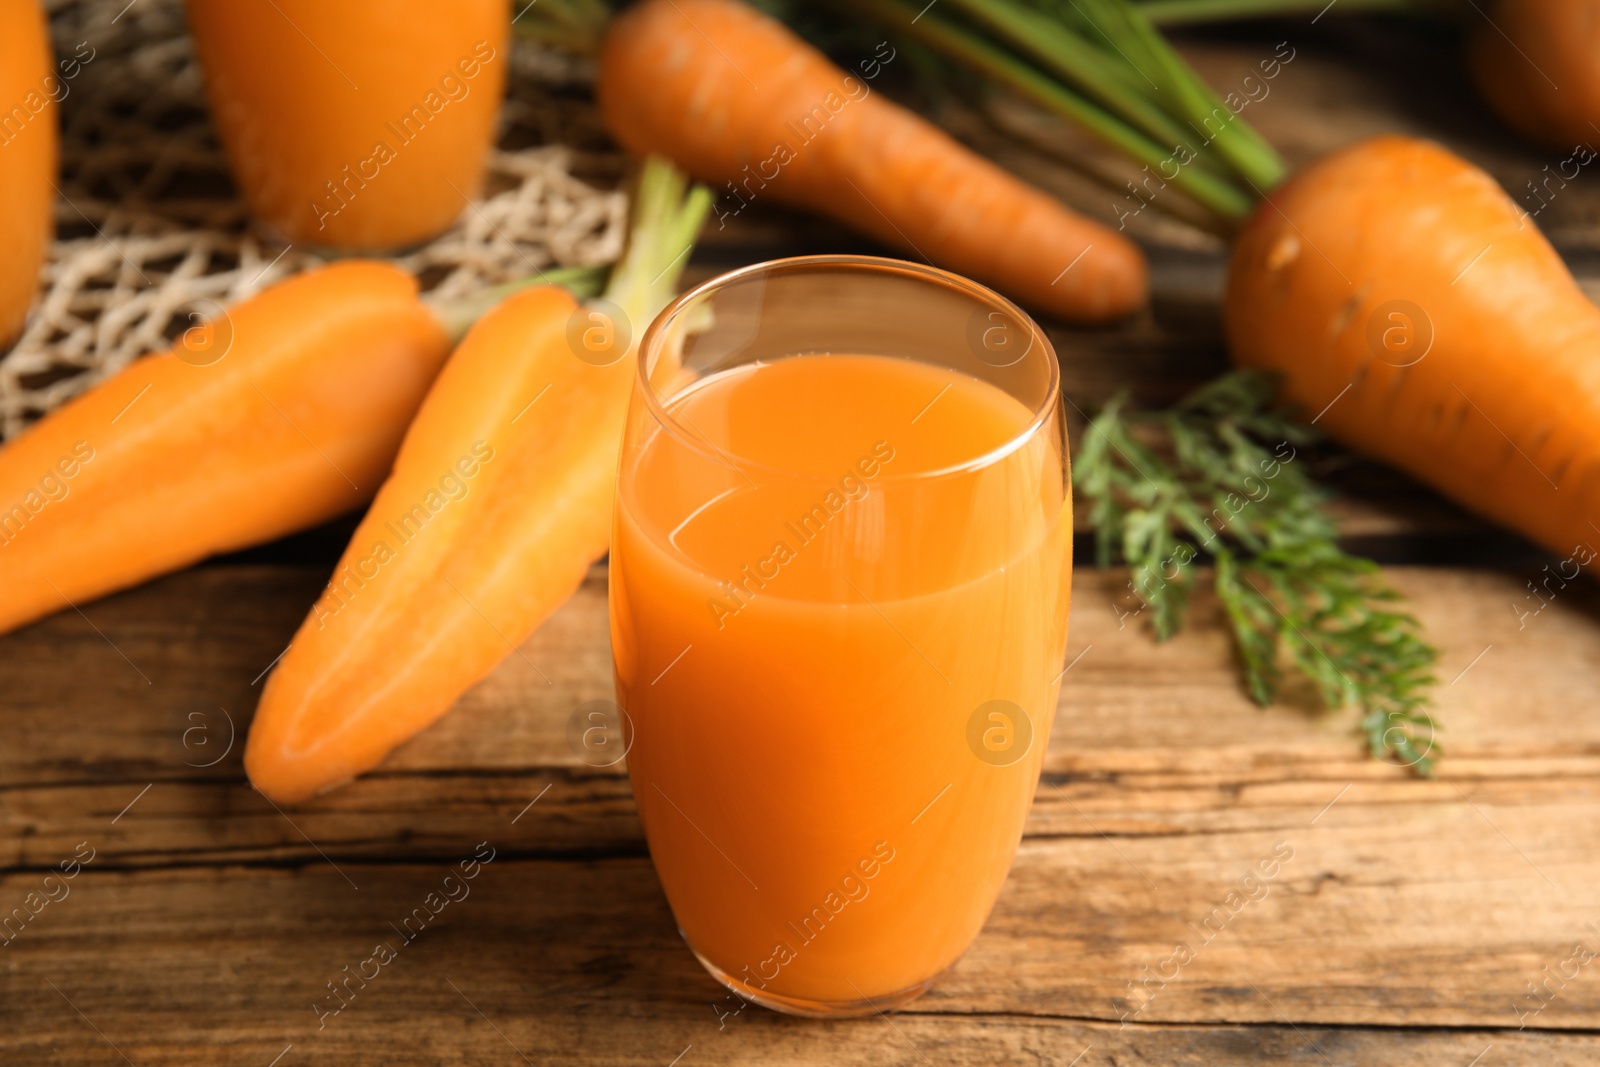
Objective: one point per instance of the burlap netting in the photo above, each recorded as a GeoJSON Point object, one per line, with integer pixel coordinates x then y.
{"type": "Point", "coordinates": [149, 228]}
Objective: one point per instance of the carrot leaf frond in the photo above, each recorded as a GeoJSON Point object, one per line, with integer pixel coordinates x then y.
{"type": "Point", "coordinates": [1221, 477]}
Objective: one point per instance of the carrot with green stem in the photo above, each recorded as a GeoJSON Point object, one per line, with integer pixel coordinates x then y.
{"type": "Point", "coordinates": [1391, 280]}
{"type": "Point", "coordinates": [1070, 39]}
{"type": "Point", "coordinates": [739, 101]}
{"type": "Point", "coordinates": [281, 413]}
{"type": "Point", "coordinates": [1409, 307]}
{"type": "Point", "coordinates": [1062, 52]}
{"type": "Point", "coordinates": [1222, 481]}
{"type": "Point", "coordinates": [499, 500]}
{"type": "Point", "coordinates": [1214, 192]}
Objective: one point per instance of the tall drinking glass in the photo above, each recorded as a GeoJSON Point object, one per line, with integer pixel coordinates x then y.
{"type": "Point", "coordinates": [840, 572]}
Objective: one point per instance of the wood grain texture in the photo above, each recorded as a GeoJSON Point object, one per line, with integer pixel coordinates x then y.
{"type": "Point", "coordinates": [567, 963]}
{"type": "Point", "coordinates": [1406, 903]}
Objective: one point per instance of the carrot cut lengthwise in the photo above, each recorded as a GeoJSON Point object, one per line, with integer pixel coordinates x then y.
{"type": "Point", "coordinates": [1404, 296]}
{"type": "Point", "coordinates": [27, 157]}
{"type": "Point", "coordinates": [734, 97]}
{"type": "Point", "coordinates": [281, 414]}
{"type": "Point", "coordinates": [499, 500]}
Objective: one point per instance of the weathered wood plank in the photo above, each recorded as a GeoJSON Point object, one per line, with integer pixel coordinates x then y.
{"type": "Point", "coordinates": [1166, 724]}
{"type": "Point", "coordinates": [580, 963]}
{"type": "Point", "coordinates": [1425, 903]}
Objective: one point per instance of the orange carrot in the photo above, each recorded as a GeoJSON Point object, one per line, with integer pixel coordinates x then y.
{"type": "Point", "coordinates": [738, 100]}
{"type": "Point", "coordinates": [284, 412]}
{"type": "Point", "coordinates": [499, 500]}
{"type": "Point", "coordinates": [28, 91]}
{"type": "Point", "coordinates": [1416, 314]}
{"type": "Point", "coordinates": [1534, 61]}
{"type": "Point", "coordinates": [352, 123]}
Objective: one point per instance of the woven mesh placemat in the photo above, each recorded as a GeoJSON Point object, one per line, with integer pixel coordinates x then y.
{"type": "Point", "coordinates": [150, 230]}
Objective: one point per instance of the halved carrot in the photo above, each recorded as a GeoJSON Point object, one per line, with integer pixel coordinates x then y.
{"type": "Point", "coordinates": [284, 412]}
{"type": "Point", "coordinates": [1417, 315]}
{"type": "Point", "coordinates": [28, 90]}
{"type": "Point", "coordinates": [736, 99]}
{"type": "Point", "coordinates": [499, 500]}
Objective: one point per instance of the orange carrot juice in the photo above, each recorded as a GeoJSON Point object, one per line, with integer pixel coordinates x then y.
{"type": "Point", "coordinates": [354, 124]}
{"type": "Point", "coordinates": [839, 609]}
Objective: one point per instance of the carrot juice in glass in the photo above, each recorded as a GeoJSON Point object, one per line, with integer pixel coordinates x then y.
{"type": "Point", "coordinates": [840, 575]}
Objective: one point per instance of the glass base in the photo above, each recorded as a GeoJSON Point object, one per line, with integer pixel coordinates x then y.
{"type": "Point", "coordinates": [814, 1009]}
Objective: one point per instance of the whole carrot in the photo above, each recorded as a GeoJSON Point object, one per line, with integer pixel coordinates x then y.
{"type": "Point", "coordinates": [741, 102]}
{"type": "Point", "coordinates": [499, 500]}
{"type": "Point", "coordinates": [283, 413]}
{"type": "Point", "coordinates": [354, 124]}
{"type": "Point", "coordinates": [1415, 312]}
{"type": "Point", "coordinates": [29, 89]}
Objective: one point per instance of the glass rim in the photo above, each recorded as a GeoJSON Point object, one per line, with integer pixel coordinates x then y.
{"type": "Point", "coordinates": [662, 414]}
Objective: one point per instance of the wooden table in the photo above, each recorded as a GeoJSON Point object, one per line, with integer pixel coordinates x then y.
{"type": "Point", "coordinates": [1404, 926]}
